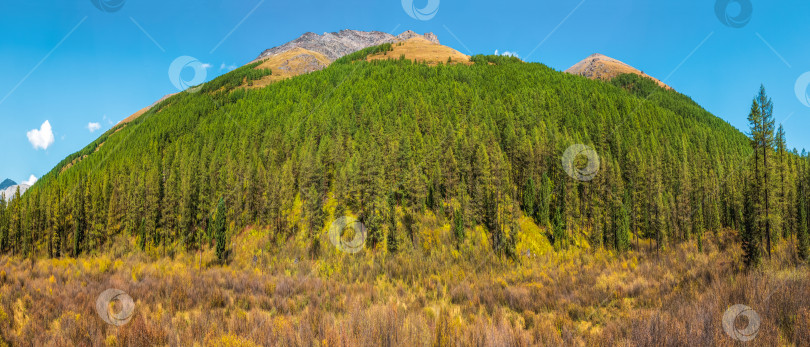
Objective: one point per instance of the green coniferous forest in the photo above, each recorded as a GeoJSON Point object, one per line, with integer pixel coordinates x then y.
{"type": "Point", "coordinates": [484, 140]}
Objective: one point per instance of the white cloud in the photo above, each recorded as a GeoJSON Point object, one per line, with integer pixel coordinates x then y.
{"type": "Point", "coordinates": [42, 137]}
{"type": "Point", "coordinates": [227, 67]}
{"type": "Point", "coordinates": [206, 66]}
{"type": "Point", "coordinates": [31, 180]}
{"type": "Point", "coordinates": [507, 54]}
{"type": "Point", "coordinates": [93, 127]}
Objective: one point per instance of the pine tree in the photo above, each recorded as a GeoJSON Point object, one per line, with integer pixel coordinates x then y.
{"type": "Point", "coordinates": [220, 229]}
{"type": "Point", "coordinates": [699, 227]}
{"type": "Point", "coordinates": [392, 241]}
{"type": "Point", "coordinates": [529, 199]}
{"type": "Point", "coordinates": [622, 232]}
{"type": "Point", "coordinates": [559, 230]}
{"type": "Point", "coordinates": [802, 237]}
{"type": "Point", "coordinates": [373, 222]}
{"type": "Point", "coordinates": [142, 235]}
{"type": "Point", "coordinates": [782, 204]}
{"type": "Point", "coordinates": [766, 138]}
{"type": "Point", "coordinates": [79, 223]}
{"type": "Point", "coordinates": [492, 223]}
{"type": "Point", "coordinates": [544, 201]}
{"type": "Point", "coordinates": [3, 224]}
{"type": "Point", "coordinates": [313, 208]}
{"type": "Point", "coordinates": [752, 232]}
{"type": "Point", "coordinates": [458, 227]}
{"type": "Point", "coordinates": [15, 225]}
{"type": "Point", "coordinates": [751, 235]}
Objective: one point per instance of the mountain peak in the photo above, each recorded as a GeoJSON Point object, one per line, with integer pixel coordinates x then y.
{"type": "Point", "coordinates": [332, 45]}
{"type": "Point", "coordinates": [409, 34]}
{"type": "Point", "coordinates": [337, 44]}
{"type": "Point", "coordinates": [7, 183]}
{"type": "Point", "coordinates": [311, 52]}
{"type": "Point", "coordinates": [602, 67]}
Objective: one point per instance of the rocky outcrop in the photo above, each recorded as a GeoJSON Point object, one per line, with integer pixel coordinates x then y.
{"type": "Point", "coordinates": [333, 45]}
{"type": "Point", "coordinates": [411, 34]}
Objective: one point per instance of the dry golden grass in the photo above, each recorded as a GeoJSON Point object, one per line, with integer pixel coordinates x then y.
{"type": "Point", "coordinates": [605, 68]}
{"type": "Point", "coordinates": [297, 61]}
{"type": "Point", "coordinates": [284, 298]}
{"type": "Point", "coordinates": [420, 50]}
{"type": "Point", "coordinates": [140, 112]}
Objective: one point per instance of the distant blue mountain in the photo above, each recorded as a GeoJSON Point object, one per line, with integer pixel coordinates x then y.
{"type": "Point", "coordinates": [7, 183]}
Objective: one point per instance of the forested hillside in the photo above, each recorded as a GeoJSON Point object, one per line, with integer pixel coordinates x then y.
{"type": "Point", "coordinates": [392, 141]}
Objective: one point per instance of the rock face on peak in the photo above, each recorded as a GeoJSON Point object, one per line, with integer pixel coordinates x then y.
{"type": "Point", "coordinates": [333, 45]}
{"type": "Point", "coordinates": [598, 66]}
{"type": "Point", "coordinates": [407, 35]}
{"type": "Point", "coordinates": [338, 44]}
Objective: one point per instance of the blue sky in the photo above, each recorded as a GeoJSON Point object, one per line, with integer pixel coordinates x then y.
{"type": "Point", "coordinates": [79, 67]}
